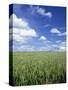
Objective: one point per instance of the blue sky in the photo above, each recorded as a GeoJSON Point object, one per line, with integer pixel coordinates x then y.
{"type": "Point", "coordinates": [37, 28]}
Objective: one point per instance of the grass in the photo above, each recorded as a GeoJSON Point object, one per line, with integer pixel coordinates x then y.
{"type": "Point", "coordinates": [33, 68]}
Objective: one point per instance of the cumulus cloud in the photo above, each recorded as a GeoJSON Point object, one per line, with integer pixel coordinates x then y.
{"type": "Point", "coordinates": [49, 14]}
{"type": "Point", "coordinates": [58, 41]}
{"type": "Point", "coordinates": [60, 46]}
{"type": "Point", "coordinates": [23, 33]}
{"type": "Point", "coordinates": [57, 31]}
{"type": "Point", "coordinates": [42, 38]}
{"type": "Point", "coordinates": [20, 29]}
{"type": "Point", "coordinates": [41, 11]}
{"type": "Point", "coordinates": [28, 33]}
{"type": "Point", "coordinates": [52, 46]}
{"type": "Point", "coordinates": [25, 48]}
{"type": "Point", "coordinates": [17, 22]}
{"type": "Point", "coordinates": [47, 25]}
{"type": "Point", "coordinates": [62, 34]}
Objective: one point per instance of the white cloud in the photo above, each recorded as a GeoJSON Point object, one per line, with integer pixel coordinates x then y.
{"type": "Point", "coordinates": [20, 29]}
{"type": "Point", "coordinates": [49, 14]}
{"type": "Point", "coordinates": [58, 41]}
{"type": "Point", "coordinates": [54, 45]}
{"type": "Point", "coordinates": [44, 48]}
{"type": "Point", "coordinates": [55, 30]}
{"type": "Point", "coordinates": [18, 38]}
{"type": "Point", "coordinates": [28, 33]}
{"type": "Point", "coordinates": [62, 34]}
{"type": "Point", "coordinates": [17, 22]}
{"type": "Point", "coordinates": [63, 44]}
{"type": "Point", "coordinates": [47, 25]}
{"type": "Point", "coordinates": [41, 11]}
{"type": "Point", "coordinates": [51, 46]}
{"type": "Point", "coordinates": [26, 48]}
{"type": "Point", "coordinates": [25, 32]}
{"type": "Point", "coordinates": [42, 38]}
{"type": "Point", "coordinates": [62, 48]}
{"type": "Point", "coordinates": [22, 33]}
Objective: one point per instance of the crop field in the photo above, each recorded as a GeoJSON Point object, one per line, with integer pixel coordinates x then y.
{"type": "Point", "coordinates": [35, 68]}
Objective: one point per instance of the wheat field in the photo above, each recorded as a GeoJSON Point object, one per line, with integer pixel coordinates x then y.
{"type": "Point", "coordinates": [36, 68]}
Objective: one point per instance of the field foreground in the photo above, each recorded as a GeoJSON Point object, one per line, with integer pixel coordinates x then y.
{"type": "Point", "coordinates": [33, 68]}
